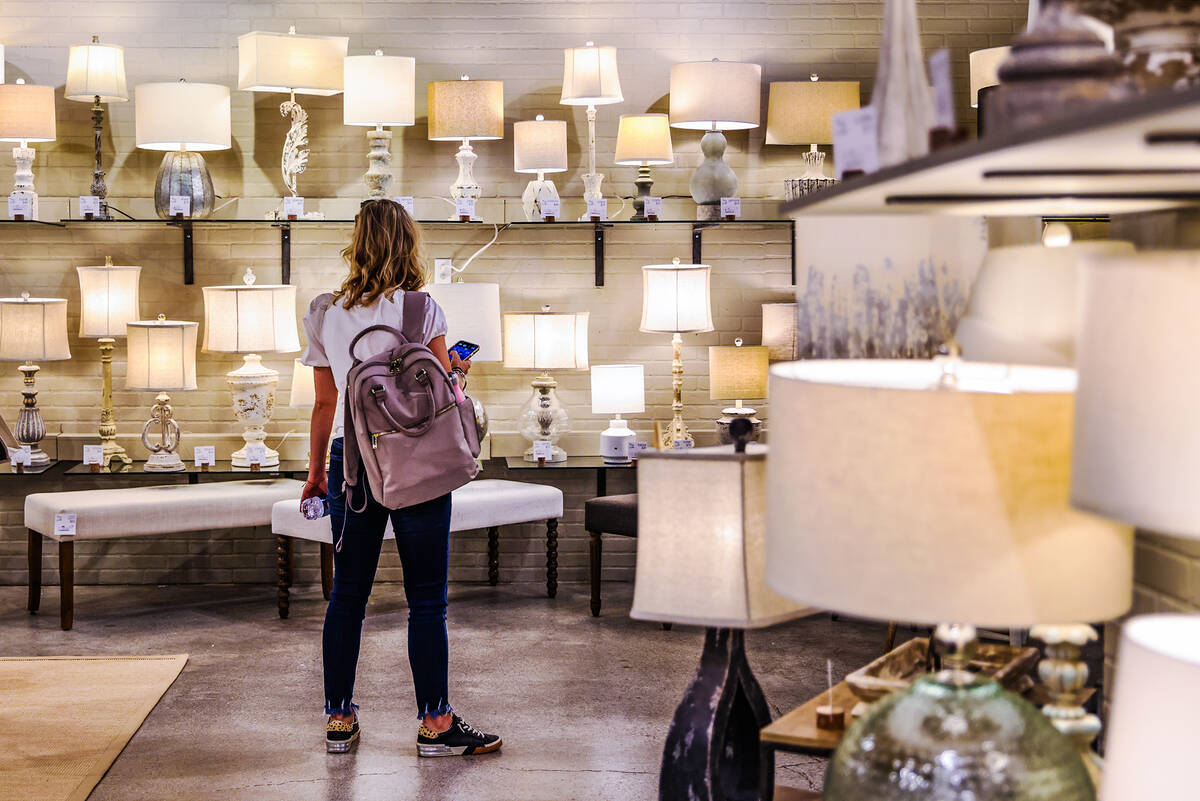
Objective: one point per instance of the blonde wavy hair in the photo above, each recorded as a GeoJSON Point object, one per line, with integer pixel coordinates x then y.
{"type": "Point", "coordinates": [384, 255]}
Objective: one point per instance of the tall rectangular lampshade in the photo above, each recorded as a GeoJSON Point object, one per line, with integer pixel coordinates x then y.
{"type": "Point", "coordinates": [676, 298]}
{"type": "Point", "coordinates": [737, 372]}
{"type": "Point", "coordinates": [644, 139]}
{"type": "Point", "coordinates": [701, 556]}
{"type": "Point", "coordinates": [304, 391]}
{"type": "Point", "coordinates": [540, 146]}
{"type": "Point", "coordinates": [162, 355]}
{"type": "Point", "coordinates": [590, 76]}
{"type": "Point", "coordinates": [250, 319]}
{"type": "Point", "coordinates": [96, 70]}
{"type": "Point", "coordinates": [108, 299]}
{"type": "Point", "coordinates": [715, 95]}
{"type": "Point", "coordinates": [801, 112]}
{"type": "Point", "coordinates": [985, 69]}
{"type": "Point", "coordinates": [913, 490]}
{"type": "Point", "coordinates": [1137, 443]}
{"type": "Point", "coordinates": [178, 115]}
{"type": "Point", "coordinates": [26, 113]}
{"type": "Point", "coordinates": [291, 62]}
{"type": "Point", "coordinates": [618, 389]}
{"type": "Point", "coordinates": [781, 331]}
{"type": "Point", "coordinates": [546, 341]}
{"type": "Point", "coordinates": [466, 109]}
{"type": "Point", "coordinates": [33, 329]}
{"type": "Point", "coordinates": [472, 313]}
{"type": "Point", "coordinates": [380, 90]}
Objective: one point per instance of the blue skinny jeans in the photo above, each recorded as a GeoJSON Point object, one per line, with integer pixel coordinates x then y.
{"type": "Point", "coordinates": [423, 541]}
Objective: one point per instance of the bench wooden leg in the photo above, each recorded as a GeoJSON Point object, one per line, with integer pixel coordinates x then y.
{"type": "Point", "coordinates": [326, 569]}
{"type": "Point", "coordinates": [494, 555]}
{"type": "Point", "coordinates": [552, 557]}
{"type": "Point", "coordinates": [595, 549]}
{"type": "Point", "coordinates": [283, 571]}
{"type": "Point", "coordinates": [66, 583]}
{"type": "Point", "coordinates": [35, 571]}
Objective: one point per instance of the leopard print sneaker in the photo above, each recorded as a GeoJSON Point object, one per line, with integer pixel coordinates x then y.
{"type": "Point", "coordinates": [341, 735]}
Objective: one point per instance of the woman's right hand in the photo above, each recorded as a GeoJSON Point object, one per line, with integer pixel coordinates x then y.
{"type": "Point", "coordinates": [317, 486]}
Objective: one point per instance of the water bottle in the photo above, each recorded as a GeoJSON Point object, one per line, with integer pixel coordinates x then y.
{"type": "Point", "coordinates": [314, 508]}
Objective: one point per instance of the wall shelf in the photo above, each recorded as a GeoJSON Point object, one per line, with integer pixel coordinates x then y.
{"type": "Point", "coordinates": [1135, 156]}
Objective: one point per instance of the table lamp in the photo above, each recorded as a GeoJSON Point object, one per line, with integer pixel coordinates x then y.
{"type": "Point", "coordinates": [643, 140]}
{"type": "Point", "coordinates": [701, 562]}
{"type": "Point", "coordinates": [182, 119]}
{"type": "Point", "coordinates": [298, 65]}
{"type": "Point", "coordinates": [714, 96]}
{"type": "Point", "coordinates": [675, 300]}
{"type": "Point", "coordinates": [32, 329]}
{"type": "Point", "coordinates": [539, 146]}
{"type": "Point", "coordinates": [935, 491]}
{"type": "Point", "coordinates": [162, 359]}
{"type": "Point", "coordinates": [379, 91]}
{"type": "Point", "coordinates": [251, 319]}
{"type": "Point", "coordinates": [735, 373]}
{"type": "Point", "coordinates": [545, 341]}
{"type": "Point", "coordinates": [304, 391]}
{"type": "Point", "coordinates": [108, 299]}
{"type": "Point", "coordinates": [466, 110]}
{"type": "Point", "coordinates": [26, 115]}
{"type": "Point", "coordinates": [96, 75]}
{"type": "Point", "coordinates": [801, 113]}
{"type": "Point", "coordinates": [618, 389]}
{"type": "Point", "coordinates": [590, 79]}
{"type": "Point", "coordinates": [781, 331]}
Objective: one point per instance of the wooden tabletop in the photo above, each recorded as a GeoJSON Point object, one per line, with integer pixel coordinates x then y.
{"type": "Point", "coordinates": [798, 728]}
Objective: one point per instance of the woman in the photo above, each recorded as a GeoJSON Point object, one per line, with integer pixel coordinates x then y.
{"type": "Point", "coordinates": [384, 264]}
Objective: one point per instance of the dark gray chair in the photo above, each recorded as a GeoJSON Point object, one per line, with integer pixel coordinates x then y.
{"type": "Point", "coordinates": [610, 514]}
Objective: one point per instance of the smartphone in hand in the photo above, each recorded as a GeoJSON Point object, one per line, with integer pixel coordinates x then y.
{"type": "Point", "coordinates": [464, 349]}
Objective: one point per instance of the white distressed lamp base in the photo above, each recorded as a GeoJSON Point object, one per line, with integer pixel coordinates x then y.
{"type": "Point", "coordinates": [253, 387]}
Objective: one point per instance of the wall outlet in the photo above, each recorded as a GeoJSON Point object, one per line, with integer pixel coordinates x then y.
{"type": "Point", "coordinates": [443, 269]}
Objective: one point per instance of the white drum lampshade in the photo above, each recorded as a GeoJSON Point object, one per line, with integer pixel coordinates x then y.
{"type": "Point", "coordinates": [304, 391]}
{"type": "Point", "coordinates": [618, 389]}
{"type": "Point", "coordinates": [250, 319]}
{"type": "Point", "coordinates": [26, 113]}
{"type": "Point", "coordinates": [108, 299]}
{"type": "Point", "coordinates": [644, 139]}
{"type": "Point", "coordinates": [291, 62]}
{"type": "Point", "coordinates": [715, 95]}
{"type": "Point", "coordinates": [546, 341]}
{"type": "Point", "coordinates": [162, 355]}
{"type": "Point", "coordinates": [1137, 442]}
{"type": "Point", "coordinates": [801, 112]}
{"type": "Point", "coordinates": [379, 90]}
{"type": "Point", "coordinates": [985, 69]}
{"type": "Point", "coordinates": [590, 76]}
{"type": "Point", "coordinates": [33, 329]}
{"type": "Point", "coordinates": [539, 146]}
{"type": "Point", "coordinates": [472, 313]}
{"type": "Point", "coordinates": [466, 109]}
{"type": "Point", "coordinates": [96, 70]}
{"type": "Point", "coordinates": [178, 115]}
{"type": "Point", "coordinates": [676, 298]}
{"type": "Point", "coordinates": [781, 331]}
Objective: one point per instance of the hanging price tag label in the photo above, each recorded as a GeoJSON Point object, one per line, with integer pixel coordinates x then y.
{"type": "Point", "coordinates": [180, 204]}
{"type": "Point", "coordinates": [550, 207]}
{"type": "Point", "coordinates": [92, 454]}
{"type": "Point", "coordinates": [205, 454]}
{"type": "Point", "coordinates": [64, 524]}
{"type": "Point", "coordinates": [682, 445]}
{"type": "Point", "coordinates": [856, 141]}
{"type": "Point", "coordinates": [293, 208]}
{"type": "Point", "coordinates": [731, 207]}
{"type": "Point", "coordinates": [256, 452]}
{"type": "Point", "coordinates": [634, 450]}
{"type": "Point", "coordinates": [943, 90]}
{"type": "Point", "coordinates": [408, 204]}
{"type": "Point", "coordinates": [464, 207]}
{"type": "Point", "coordinates": [20, 207]}
{"type": "Point", "coordinates": [22, 456]}
{"type": "Point", "coordinates": [652, 207]}
{"type": "Point", "coordinates": [89, 204]}
{"type": "Point", "coordinates": [542, 449]}
{"type": "Point", "coordinates": [598, 208]}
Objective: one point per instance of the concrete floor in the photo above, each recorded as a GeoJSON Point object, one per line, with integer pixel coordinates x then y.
{"type": "Point", "coordinates": [583, 703]}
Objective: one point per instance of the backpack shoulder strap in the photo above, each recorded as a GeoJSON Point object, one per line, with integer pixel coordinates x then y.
{"type": "Point", "coordinates": [412, 317]}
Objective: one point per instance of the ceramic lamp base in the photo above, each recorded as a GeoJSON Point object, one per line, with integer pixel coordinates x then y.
{"type": "Point", "coordinates": [253, 403]}
{"type": "Point", "coordinates": [733, 413]}
{"type": "Point", "coordinates": [713, 179]}
{"type": "Point", "coordinates": [535, 192]}
{"type": "Point", "coordinates": [615, 442]}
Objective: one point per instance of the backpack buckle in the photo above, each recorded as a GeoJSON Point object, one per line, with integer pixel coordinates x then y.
{"type": "Point", "coordinates": [422, 376]}
{"type": "Point", "coordinates": [395, 366]}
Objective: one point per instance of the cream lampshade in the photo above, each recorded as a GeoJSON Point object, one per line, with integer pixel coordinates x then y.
{"type": "Point", "coordinates": [380, 91]}
{"type": "Point", "coordinates": [26, 115]}
{"type": "Point", "coordinates": [472, 313]}
{"type": "Point", "coordinates": [96, 75]}
{"type": "Point", "coordinates": [539, 146]}
{"type": "Point", "coordinates": [1149, 753]}
{"type": "Point", "coordinates": [735, 373]}
{"type": "Point", "coordinates": [304, 392]}
{"type": "Point", "coordinates": [590, 79]}
{"type": "Point", "coordinates": [162, 359]}
{"type": "Point", "coordinates": [781, 331]}
{"type": "Point", "coordinates": [618, 389]}
{"type": "Point", "coordinates": [985, 69]}
{"type": "Point", "coordinates": [801, 113]}
{"type": "Point", "coordinates": [545, 341]}
{"type": "Point", "coordinates": [466, 110]}
{"type": "Point", "coordinates": [251, 319]}
{"type": "Point", "coordinates": [1137, 445]}
{"type": "Point", "coordinates": [644, 140]}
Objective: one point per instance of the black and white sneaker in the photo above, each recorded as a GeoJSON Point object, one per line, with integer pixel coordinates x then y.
{"type": "Point", "coordinates": [461, 739]}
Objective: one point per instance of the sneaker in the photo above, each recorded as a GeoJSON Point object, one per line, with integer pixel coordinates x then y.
{"type": "Point", "coordinates": [341, 735]}
{"type": "Point", "coordinates": [461, 739]}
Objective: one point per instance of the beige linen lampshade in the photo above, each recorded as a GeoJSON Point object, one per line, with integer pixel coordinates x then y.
{"type": "Point", "coordinates": [539, 145]}
{"type": "Point", "coordinates": [380, 90]}
{"type": "Point", "coordinates": [1137, 442]}
{"type": "Point", "coordinates": [737, 372]}
{"type": "Point", "coordinates": [781, 331]}
{"type": "Point", "coordinates": [618, 389]}
{"type": "Point", "coordinates": [304, 391]}
{"type": "Point", "coordinates": [291, 62]}
{"type": "Point", "coordinates": [701, 556]}
{"type": "Point", "coordinates": [897, 494]}
{"type": "Point", "coordinates": [1152, 741]}
{"type": "Point", "coordinates": [26, 113]}
{"type": "Point", "coordinates": [801, 112]}
{"type": "Point", "coordinates": [178, 115]}
{"type": "Point", "coordinates": [676, 298]}
{"type": "Point", "coordinates": [33, 329]}
{"type": "Point", "coordinates": [985, 69]}
{"type": "Point", "coordinates": [644, 139]}
{"type": "Point", "coordinates": [590, 76]}
{"type": "Point", "coordinates": [466, 109]}
{"type": "Point", "coordinates": [108, 299]}
{"type": "Point", "coordinates": [96, 70]}
{"type": "Point", "coordinates": [546, 341]}
{"type": "Point", "coordinates": [250, 319]}
{"type": "Point", "coordinates": [715, 95]}
{"type": "Point", "coordinates": [162, 355]}
{"type": "Point", "coordinates": [472, 313]}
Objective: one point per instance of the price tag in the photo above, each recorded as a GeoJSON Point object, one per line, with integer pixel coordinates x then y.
{"type": "Point", "coordinates": [89, 204]}
{"type": "Point", "coordinates": [598, 208]}
{"type": "Point", "coordinates": [682, 445]}
{"type": "Point", "coordinates": [652, 207]}
{"type": "Point", "coordinates": [22, 456]}
{"type": "Point", "coordinates": [542, 449]}
{"type": "Point", "coordinates": [856, 141]}
{"type": "Point", "coordinates": [92, 454]}
{"type": "Point", "coordinates": [465, 207]}
{"type": "Point", "coordinates": [20, 206]}
{"type": "Point", "coordinates": [634, 449]}
{"type": "Point", "coordinates": [731, 207]}
{"type": "Point", "coordinates": [256, 452]}
{"type": "Point", "coordinates": [408, 204]}
{"type": "Point", "coordinates": [550, 207]}
{"type": "Point", "coordinates": [293, 208]}
{"type": "Point", "coordinates": [180, 204]}
{"type": "Point", "coordinates": [64, 524]}
{"type": "Point", "coordinates": [943, 90]}
{"type": "Point", "coordinates": [205, 454]}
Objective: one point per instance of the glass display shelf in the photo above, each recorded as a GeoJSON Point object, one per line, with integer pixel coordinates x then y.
{"type": "Point", "coordinates": [294, 468]}
{"type": "Point", "coordinates": [8, 469]}
{"type": "Point", "coordinates": [596, 463]}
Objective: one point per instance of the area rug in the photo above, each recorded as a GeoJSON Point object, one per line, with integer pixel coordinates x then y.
{"type": "Point", "coordinates": [64, 720]}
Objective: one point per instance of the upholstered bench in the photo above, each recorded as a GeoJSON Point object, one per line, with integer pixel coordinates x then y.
{"type": "Point", "coordinates": [141, 512]}
{"type": "Point", "coordinates": [484, 503]}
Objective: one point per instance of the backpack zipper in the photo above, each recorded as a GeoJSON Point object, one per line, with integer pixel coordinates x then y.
{"type": "Point", "coordinates": [375, 436]}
